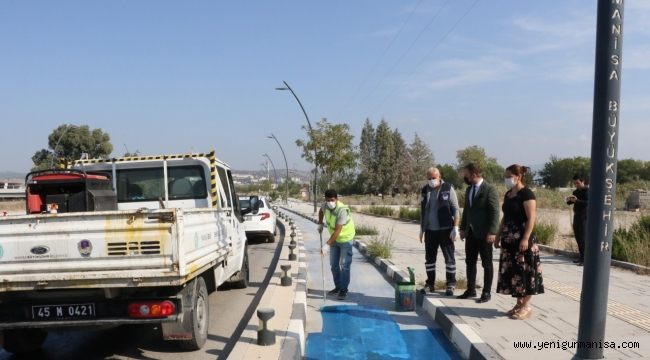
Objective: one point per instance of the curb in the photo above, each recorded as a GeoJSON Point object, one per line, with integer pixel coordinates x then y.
{"type": "Point", "coordinates": [293, 346]}
{"type": "Point", "coordinates": [617, 263]}
{"type": "Point", "coordinates": [469, 343]}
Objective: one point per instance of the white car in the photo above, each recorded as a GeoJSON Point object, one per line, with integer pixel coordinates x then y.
{"type": "Point", "coordinates": [261, 221]}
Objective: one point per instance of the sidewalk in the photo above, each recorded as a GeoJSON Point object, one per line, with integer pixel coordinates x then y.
{"type": "Point", "coordinates": [555, 314]}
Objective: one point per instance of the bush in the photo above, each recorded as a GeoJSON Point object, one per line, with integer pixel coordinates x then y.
{"type": "Point", "coordinates": [381, 246]}
{"type": "Point", "coordinates": [380, 210]}
{"type": "Point", "coordinates": [366, 230]}
{"type": "Point", "coordinates": [633, 244]}
{"type": "Point", "coordinates": [409, 213]}
{"type": "Point", "coordinates": [545, 232]}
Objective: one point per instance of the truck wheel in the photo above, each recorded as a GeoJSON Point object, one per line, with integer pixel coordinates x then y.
{"type": "Point", "coordinates": [21, 341]}
{"type": "Point", "coordinates": [198, 317]}
{"type": "Point", "coordinates": [241, 279]}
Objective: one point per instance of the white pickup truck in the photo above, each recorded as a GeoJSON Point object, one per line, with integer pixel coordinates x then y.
{"type": "Point", "coordinates": [121, 241]}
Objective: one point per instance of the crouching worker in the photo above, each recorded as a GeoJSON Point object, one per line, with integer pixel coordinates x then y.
{"type": "Point", "coordinates": [339, 223]}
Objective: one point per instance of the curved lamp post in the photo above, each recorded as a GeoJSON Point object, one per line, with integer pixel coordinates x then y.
{"type": "Point", "coordinates": [286, 199]}
{"type": "Point", "coordinates": [311, 130]}
{"type": "Point", "coordinates": [275, 173]}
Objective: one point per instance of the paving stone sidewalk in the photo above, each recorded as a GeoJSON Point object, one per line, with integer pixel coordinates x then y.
{"type": "Point", "coordinates": [555, 313]}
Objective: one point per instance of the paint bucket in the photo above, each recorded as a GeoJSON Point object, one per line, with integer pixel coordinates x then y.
{"type": "Point", "coordinates": [405, 293]}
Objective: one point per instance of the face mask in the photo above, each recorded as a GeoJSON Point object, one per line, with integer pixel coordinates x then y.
{"type": "Point", "coordinates": [466, 180]}
{"type": "Point", "coordinates": [331, 205]}
{"type": "Point", "coordinates": [510, 182]}
{"type": "Point", "coordinates": [434, 183]}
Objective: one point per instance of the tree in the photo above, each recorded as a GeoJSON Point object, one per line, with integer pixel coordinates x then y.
{"type": "Point", "coordinates": [403, 174]}
{"type": "Point", "coordinates": [366, 157]}
{"type": "Point", "coordinates": [421, 160]}
{"type": "Point", "coordinates": [629, 170]}
{"type": "Point", "coordinates": [490, 168]}
{"type": "Point", "coordinates": [559, 172]}
{"type": "Point", "coordinates": [450, 175]}
{"type": "Point", "coordinates": [68, 143]}
{"type": "Point", "coordinates": [330, 145]}
{"type": "Point", "coordinates": [383, 174]}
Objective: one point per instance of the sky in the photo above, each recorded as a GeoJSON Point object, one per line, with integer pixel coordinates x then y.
{"type": "Point", "coordinates": [514, 77]}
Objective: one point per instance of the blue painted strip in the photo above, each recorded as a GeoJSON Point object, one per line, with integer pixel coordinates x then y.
{"type": "Point", "coordinates": [357, 332]}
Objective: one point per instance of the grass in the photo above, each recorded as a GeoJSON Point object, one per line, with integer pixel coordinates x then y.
{"type": "Point", "coordinates": [12, 205]}
{"type": "Point", "coordinates": [381, 246]}
{"type": "Point", "coordinates": [545, 231]}
{"type": "Point", "coordinates": [409, 213]}
{"type": "Point", "coordinates": [366, 230]}
{"type": "Point", "coordinates": [442, 284]}
{"type": "Point", "coordinates": [402, 199]}
{"type": "Point", "coordinates": [633, 244]}
{"type": "Point", "coordinates": [379, 210]}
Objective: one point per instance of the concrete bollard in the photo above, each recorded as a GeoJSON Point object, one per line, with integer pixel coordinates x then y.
{"type": "Point", "coordinates": [265, 334]}
{"type": "Point", "coordinates": [285, 280]}
{"type": "Point", "coordinates": [292, 256]}
{"type": "Point", "coordinates": [293, 235]}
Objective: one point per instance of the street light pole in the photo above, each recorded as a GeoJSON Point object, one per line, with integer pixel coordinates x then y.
{"type": "Point", "coordinates": [311, 133]}
{"type": "Point", "coordinates": [275, 173]}
{"type": "Point", "coordinates": [286, 201]}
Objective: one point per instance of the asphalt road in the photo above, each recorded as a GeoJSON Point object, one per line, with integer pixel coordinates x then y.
{"type": "Point", "coordinates": [230, 311]}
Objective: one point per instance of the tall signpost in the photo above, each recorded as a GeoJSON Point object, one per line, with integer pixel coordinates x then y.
{"type": "Point", "coordinates": [602, 192]}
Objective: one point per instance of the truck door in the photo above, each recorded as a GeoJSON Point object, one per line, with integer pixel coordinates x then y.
{"type": "Point", "coordinates": [229, 218]}
{"type": "Point", "coordinates": [238, 219]}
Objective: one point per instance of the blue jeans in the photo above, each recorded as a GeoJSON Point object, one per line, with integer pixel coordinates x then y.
{"type": "Point", "coordinates": [340, 261]}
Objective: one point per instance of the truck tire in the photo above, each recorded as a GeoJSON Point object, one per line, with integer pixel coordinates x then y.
{"type": "Point", "coordinates": [240, 281]}
{"type": "Point", "coordinates": [21, 341]}
{"type": "Point", "coordinates": [270, 238]}
{"type": "Point", "coordinates": [199, 317]}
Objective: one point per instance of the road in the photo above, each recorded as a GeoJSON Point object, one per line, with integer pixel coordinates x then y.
{"type": "Point", "coordinates": [230, 310]}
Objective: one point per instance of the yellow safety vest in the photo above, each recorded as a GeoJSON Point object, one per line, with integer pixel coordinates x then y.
{"type": "Point", "coordinates": [348, 232]}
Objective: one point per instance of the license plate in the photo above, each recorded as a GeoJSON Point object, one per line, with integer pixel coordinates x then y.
{"type": "Point", "coordinates": [63, 311]}
{"type": "Point", "coordinates": [248, 217]}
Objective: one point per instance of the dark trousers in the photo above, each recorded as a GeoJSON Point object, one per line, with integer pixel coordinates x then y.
{"type": "Point", "coordinates": [433, 240]}
{"type": "Point", "coordinates": [473, 248]}
{"type": "Point", "coordinates": [580, 232]}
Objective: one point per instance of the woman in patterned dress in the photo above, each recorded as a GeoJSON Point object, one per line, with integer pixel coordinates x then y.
{"type": "Point", "coordinates": [520, 273]}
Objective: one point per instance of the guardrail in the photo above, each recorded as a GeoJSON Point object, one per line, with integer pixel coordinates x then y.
{"type": "Point", "coordinates": [12, 193]}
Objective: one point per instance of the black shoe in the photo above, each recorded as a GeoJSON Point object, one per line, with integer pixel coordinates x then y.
{"type": "Point", "coordinates": [334, 291]}
{"type": "Point", "coordinates": [577, 261]}
{"type": "Point", "coordinates": [343, 294]}
{"type": "Point", "coordinates": [466, 294]}
{"type": "Point", "coordinates": [450, 291]}
{"type": "Point", "coordinates": [431, 288]}
{"type": "Point", "coordinates": [485, 297]}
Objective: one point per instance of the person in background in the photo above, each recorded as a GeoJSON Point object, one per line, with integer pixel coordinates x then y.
{"type": "Point", "coordinates": [479, 225]}
{"type": "Point", "coordinates": [520, 273]}
{"type": "Point", "coordinates": [579, 200]}
{"type": "Point", "coordinates": [339, 223]}
{"type": "Point", "coordinates": [439, 226]}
